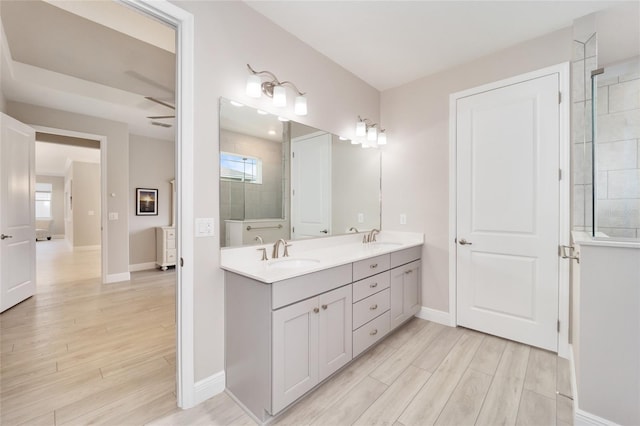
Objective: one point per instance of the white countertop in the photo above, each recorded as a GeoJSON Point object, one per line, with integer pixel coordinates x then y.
{"type": "Point", "coordinates": [329, 252]}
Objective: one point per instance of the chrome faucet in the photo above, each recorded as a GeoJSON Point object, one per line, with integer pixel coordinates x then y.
{"type": "Point", "coordinates": [354, 229]}
{"type": "Point", "coordinates": [276, 248]}
{"type": "Point", "coordinates": [258, 238]}
{"type": "Point", "coordinates": [371, 236]}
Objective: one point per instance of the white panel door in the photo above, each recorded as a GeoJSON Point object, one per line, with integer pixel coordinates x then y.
{"type": "Point", "coordinates": [336, 337]}
{"type": "Point", "coordinates": [295, 352]}
{"type": "Point", "coordinates": [17, 212]}
{"type": "Point", "coordinates": [311, 186]}
{"type": "Point", "coordinates": [508, 211]}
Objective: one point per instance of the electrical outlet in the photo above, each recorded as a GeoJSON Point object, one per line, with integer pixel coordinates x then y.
{"type": "Point", "coordinates": [113, 215]}
{"type": "Point", "coordinates": [403, 219]}
{"type": "Point", "coordinates": [204, 227]}
{"type": "Point", "coordinates": [360, 217]}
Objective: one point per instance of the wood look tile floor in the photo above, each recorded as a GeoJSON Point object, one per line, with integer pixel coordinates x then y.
{"type": "Point", "coordinates": [83, 353]}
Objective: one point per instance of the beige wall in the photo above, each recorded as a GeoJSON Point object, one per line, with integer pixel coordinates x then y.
{"type": "Point", "coordinates": [86, 204]}
{"type": "Point", "coordinates": [117, 135]}
{"type": "Point", "coordinates": [57, 202]}
{"type": "Point", "coordinates": [228, 35]}
{"type": "Point", "coordinates": [415, 163]}
{"type": "Point", "coordinates": [151, 165]}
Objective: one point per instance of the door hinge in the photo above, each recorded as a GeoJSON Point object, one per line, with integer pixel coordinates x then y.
{"type": "Point", "coordinates": [558, 326]}
{"type": "Point", "coordinates": [181, 262]}
{"type": "Point", "coordinates": [293, 192]}
{"type": "Point", "coordinates": [559, 174]}
{"type": "Point", "coordinates": [293, 154]}
{"type": "Point", "coordinates": [559, 97]}
{"type": "Point", "coordinates": [293, 229]}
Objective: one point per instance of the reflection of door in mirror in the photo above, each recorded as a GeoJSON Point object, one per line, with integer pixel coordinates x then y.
{"type": "Point", "coordinates": [311, 186]}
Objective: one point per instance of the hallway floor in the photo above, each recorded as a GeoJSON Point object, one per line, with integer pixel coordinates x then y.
{"type": "Point", "coordinates": [80, 352]}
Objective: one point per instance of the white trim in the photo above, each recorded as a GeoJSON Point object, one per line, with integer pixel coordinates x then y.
{"type": "Point", "coordinates": [564, 206]}
{"type": "Point", "coordinates": [116, 278]}
{"type": "Point", "coordinates": [87, 248]}
{"type": "Point", "coordinates": [435, 315]}
{"type": "Point", "coordinates": [58, 236]}
{"type": "Point", "coordinates": [142, 266]}
{"type": "Point", "coordinates": [183, 23]}
{"type": "Point", "coordinates": [209, 387]}
{"type": "Point", "coordinates": [104, 240]}
{"type": "Point", "coordinates": [582, 418]}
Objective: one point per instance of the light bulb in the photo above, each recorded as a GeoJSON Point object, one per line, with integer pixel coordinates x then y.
{"type": "Point", "coordinates": [382, 138]}
{"type": "Point", "coordinates": [300, 107]}
{"type": "Point", "coordinates": [361, 128]}
{"type": "Point", "coordinates": [279, 96]}
{"type": "Point", "coordinates": [254, 86]}
{"type": "Point", "coordinates": [372, 134]}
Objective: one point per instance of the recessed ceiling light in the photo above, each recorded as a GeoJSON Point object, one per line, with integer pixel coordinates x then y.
{"type": "Point", "coordinates": [272, 132]}
{"type": "Point", "coordinates": [236, 104]}
{"type": "Point", "coordinates": [342, 138]}
{"type": "Point", "coordinates": [261, 112]}
{"type": "Point", "coordinates": [283, 119]}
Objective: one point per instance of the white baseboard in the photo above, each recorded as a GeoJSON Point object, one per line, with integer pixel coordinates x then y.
{"type": "Point", "coordinates": [142, 266]}
{"type": "Point", "coordinates": [116, 278]}
{"type": "Point", "coordinates": [209, 387]}
{"type": "Point", "coordinates": [435, 315]}
{"type": "Point", "coordinates": [86, 248]}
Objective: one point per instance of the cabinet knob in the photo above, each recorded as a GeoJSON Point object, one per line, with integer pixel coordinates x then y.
{"type": "Point", "coordinates": [324, 306]}
{"type": "Point", "coordinates": [373, 285]}
{"type": "Point", "coordinates": [373, 307]}
{"type": "Point", "coordinates": [316, 310]}
{"type": "Point", "coordinates": [374, 332]}
{"type": "Point", "coordinates": [373, 266]}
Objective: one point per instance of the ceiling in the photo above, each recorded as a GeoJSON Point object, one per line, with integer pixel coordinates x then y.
{"type": "Point", "coordinates": [390, 43]}
{"type": "Point", "coordinates": [113, 57]}
{"type": "Point", "coordinates": [240, 118]}
{"type": "Point", "coordinates": [52, 158]}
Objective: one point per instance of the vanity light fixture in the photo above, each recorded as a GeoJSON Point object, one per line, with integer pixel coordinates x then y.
{"type": "Point", "coordinates": [369, 134]}
{"type": "Point", "coordinates": [275, 89]}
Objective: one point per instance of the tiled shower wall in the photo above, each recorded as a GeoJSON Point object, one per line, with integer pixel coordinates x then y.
{"type": "Point", "coordinates": [583, 62]}
{"type": "Point", "coordinates": [618, 150]}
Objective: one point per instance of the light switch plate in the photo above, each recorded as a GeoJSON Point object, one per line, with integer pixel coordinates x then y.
{"type": "Point", "coordinates": [113, 215]}
{"type": "Point", "coordinates": [204, 227]}
{"type": "Point", "coordinates": [360, 217]}
{"type": "Point", "coordinates": [403, 219]}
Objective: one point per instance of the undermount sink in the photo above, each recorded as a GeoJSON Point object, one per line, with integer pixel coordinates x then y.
{"type": "Point", "coordinates": [384, 244]}
{"type": "Point", "coordinates": [290, 263]}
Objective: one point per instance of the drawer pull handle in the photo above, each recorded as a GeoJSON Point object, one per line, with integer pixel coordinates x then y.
{"type": "Point", "coordinates": [374, 332]}
{"type": "Point", "coordinates": [409, 271]}
{"type": "Point", "coordinates": [374, 266]}
{"type": "Point", "coordinates": [324, 306]}
{"type": "Point", "coordinates": [373, 285]}
{"type": "Point", "coordinates": [316, 310]}
{"type": "Point", "coordinates": [373, 307]}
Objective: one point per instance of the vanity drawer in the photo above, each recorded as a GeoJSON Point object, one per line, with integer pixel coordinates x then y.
{"type": "Point", "coordinates": [405, 256]}
{"type": "Point", "coordinates": [369, 308]}
{"type": "Point", "coordinates": [371, 285]}
{"type": "Point", "coordinates": [171, 234]}
{"type": "Point", "coordinates": [366, 268]}
{"type": "Point", "coordinates": [292, 290]}
{"type": "Point", "coordinates": [370, 333]}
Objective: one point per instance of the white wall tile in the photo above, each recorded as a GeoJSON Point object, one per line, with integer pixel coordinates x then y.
{"type": "Point", "coordinates": [590, 64]}
{"type": "Point", "coordinates": [618, 232]}
{"type": "Point", "coordinates": [617, 155]}
{"type": "Point", "coordinates": [603, 80]}
{"type": "Point", "coordinates": [623, 184]}
{"type": "Point", "coordinates": [624, 96]}
{"type": "Point", "coordinates": [602, 99]}
{"type": "Point", "coordinates": [630, 76]}
{"type": "Point", "coordinates": [577, 81]}
{"type": "Point", "coordinates": [591, 47]}
{"type": "Point", "coordinates": [578, 205]}
{"type": "Point", "coordinates": [581, 163]}
{"type": "Point", "coordinates": [578, 51]}
{"type": "Point", "coordinates": [577, 122]}
{"type": "Point", "coordinates": [602, 186]}
{"type": "Point", "coordinates": [619, 213]}
{"type": "Point", "coordinates": [619, 126]}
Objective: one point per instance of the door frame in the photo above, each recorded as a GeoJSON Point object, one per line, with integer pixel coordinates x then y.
{"type": "Point", "coordinates": [563, 71]}
{"type": "Point", "coordinates": [103, 186]}
{"type": "Point", "coordinates": [183, 23]}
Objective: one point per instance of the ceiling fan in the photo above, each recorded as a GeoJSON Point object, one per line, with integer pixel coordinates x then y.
{"type": "Point", "coordinates": [160, 117]}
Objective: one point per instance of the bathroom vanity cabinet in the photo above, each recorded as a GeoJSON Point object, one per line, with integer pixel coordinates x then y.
{"type": "Point", "coordinates": [286, 337]}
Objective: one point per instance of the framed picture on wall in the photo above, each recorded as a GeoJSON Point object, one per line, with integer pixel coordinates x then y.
{"type": "Point", "coordinates": [146, 202]}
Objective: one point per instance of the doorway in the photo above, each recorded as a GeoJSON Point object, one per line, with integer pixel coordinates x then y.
{"type": "Point", "coordinates": [509, 208]}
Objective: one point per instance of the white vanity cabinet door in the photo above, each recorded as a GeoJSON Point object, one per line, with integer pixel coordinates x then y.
{"type": "Point", "coordinates": [335, 344]}
{"type": "Point", "coordinates": [405, 292]}
{"type": "Point", "coordinates": [295, 352]}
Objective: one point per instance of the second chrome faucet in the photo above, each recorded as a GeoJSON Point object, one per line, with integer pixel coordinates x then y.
{"type": "Point", "coordinates": [276, 249]}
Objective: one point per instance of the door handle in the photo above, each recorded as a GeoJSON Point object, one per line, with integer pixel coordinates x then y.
{"type": "Point", "coordinates": [324, 231]}
{"type": "Point", "coordinates": [464, 242]}
{"type": "Point", "coordinates": [4, 237]}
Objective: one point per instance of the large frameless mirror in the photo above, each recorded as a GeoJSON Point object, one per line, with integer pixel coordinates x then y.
{"type": "Point", "coordinates": [283, 179]}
